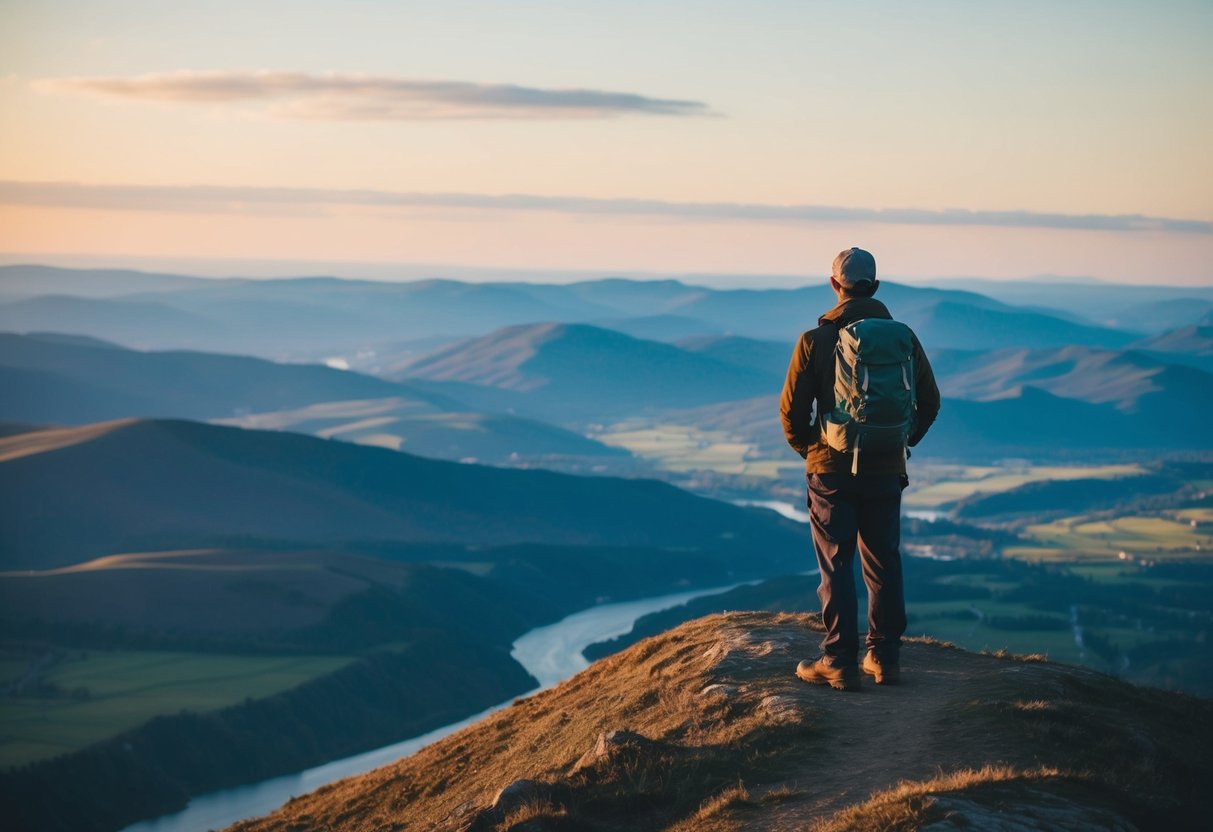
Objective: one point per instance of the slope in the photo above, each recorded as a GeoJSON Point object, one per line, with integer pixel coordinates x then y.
{"type": "Point", "coordinates": [575, 371]}
{"type": "Point", "coordinates": [707, 728]}
{"type": "Point", "coordinates": [74, 494]}
{"type": "Point", "coordinates": [62, 379]}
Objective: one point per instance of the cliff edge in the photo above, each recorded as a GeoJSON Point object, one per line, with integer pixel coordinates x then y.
{"type": "Point", "coordinates": [707, 728]}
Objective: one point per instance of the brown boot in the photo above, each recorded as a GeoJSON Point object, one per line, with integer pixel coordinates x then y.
{"type": "Point", "coordinates": [821, 672]}
{"type": "Point", "coordinates": [886, 673]}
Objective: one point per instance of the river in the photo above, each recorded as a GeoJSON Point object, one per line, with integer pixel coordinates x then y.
{"type": "Point", "coordinates": [550, 654]}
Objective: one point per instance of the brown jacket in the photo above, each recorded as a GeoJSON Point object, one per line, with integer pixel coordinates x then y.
{"type": "Point", "coordinates": [810, 383]}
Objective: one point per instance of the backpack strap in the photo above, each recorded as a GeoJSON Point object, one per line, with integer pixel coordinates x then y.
{"type": "Point", "coordinates": [825, 340]}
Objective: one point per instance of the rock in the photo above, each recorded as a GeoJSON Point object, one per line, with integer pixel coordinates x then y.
{"type": "Point", "coordinates": [781, 708]}
{"type": "Point", "coordinates": [609, 746]}
{"type": "Point", "coordinates": [1035, 811]}
{"type": "Point", "coordinates": [516, 793]}
{"type": "Point", "coordinates": [719, 690]}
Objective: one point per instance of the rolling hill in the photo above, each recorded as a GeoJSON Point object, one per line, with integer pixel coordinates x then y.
{"type": "Point", "coordinates": [78, 493]}
{"type": "Point", "coordinates": [97, 381]}
{"type": "Point", "coordinates": [571, 372]}
{"type": "Point", "coordinates": [1131, 381]}
{"type": "Point", "coordinates": [64, 380]}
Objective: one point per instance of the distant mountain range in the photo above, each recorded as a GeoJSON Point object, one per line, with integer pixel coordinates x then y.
{"type": "Point", "coordinates": [318, 318]}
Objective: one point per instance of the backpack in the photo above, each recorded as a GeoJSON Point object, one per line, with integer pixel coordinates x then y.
{"type": "Point", "coordinates": [874, 398]}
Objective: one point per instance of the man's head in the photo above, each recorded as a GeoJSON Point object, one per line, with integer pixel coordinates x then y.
{"type": "Point", "coordinates": [854, 274]}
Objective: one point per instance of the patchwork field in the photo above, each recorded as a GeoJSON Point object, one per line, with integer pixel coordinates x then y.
{"type": "Point", "coordinates": [92, 695]}
{"type": "Point", "coordinates": [1168, 536]}
{"type": "Point", "coordinates": [683, 448]}
{"type": "Point", "coordinates": [937, 486]}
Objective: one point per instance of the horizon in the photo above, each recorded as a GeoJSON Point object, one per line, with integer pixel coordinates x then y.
{"type": "Point", "coordinates": [1002, 142]}
{"type": "Point", "coordinates": [412, 272]}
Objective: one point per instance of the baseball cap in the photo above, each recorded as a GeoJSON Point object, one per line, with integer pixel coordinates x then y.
{"type": "Point", "coordinates": [854, 266]}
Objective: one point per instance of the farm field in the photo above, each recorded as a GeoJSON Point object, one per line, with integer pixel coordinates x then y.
{"type": "Point", "coordinates": [683, 448]}
{"type": "Point", "coordinates": [102, 693]}
{"type": "Point", "coordinates": [937, 486]}
{"type": "Point", "coordinates": [1167, 536]}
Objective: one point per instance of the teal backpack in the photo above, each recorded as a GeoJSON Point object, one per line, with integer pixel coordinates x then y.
{"type": "Point", "coordinates": [874, 401]}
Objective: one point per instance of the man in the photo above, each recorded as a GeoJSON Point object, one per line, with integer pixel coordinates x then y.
{"type": "Point", "coordinates": [855, 484]}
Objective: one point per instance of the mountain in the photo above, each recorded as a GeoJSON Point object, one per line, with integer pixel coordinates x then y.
{"type": "Point", "coordinates": [1195, 339]}
{"type": "Point", "coordinates": [55, 379]}
{"type": "Point", "coordinates": [136, 323]}
{"type": "Point", "coordinates": [1146, 307]}
{"type": "Point", "coordinates": [768, 357]}
{"type": "Point", "coordinates": [1130, 380]}
{"type": "Point", "coordinates": [28, 280]}
{"type": "Point", "coordinates": [707, 728]}
{"type": "Point", "coordinates": [667, 328]}
{"type": "Point", "coordinates": [1189, 345]}
{"type": "Point", "coordinates": [320, 318]}
{"type": "Point", "coordinates": [949, 324]}
{"type": "Point", "coordinates": [570, 372]}
{"type": "Point", "coordinates": [93, 381]}
{"type": "Point", "coordinates": [77, 493]}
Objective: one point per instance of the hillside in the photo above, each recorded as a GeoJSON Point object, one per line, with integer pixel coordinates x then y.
{"type": "Point", "coordinates": [67, 380]}
{"type": "Point", "coordinates": [574, 371]}
{"type": "Point", "coordinates": [1126, 379]}
{"type": "Point", "coordinates": [71, 380]}
{"type": "Point", "coordinates": [129, 486]}
{"type": "Point", "coordinates": [707, 728]}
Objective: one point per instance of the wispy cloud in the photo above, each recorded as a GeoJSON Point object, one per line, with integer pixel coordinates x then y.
{"type": "Point", "coordinates": [356, 97]}
{"type": "Point", "coordinates": [239, 199]}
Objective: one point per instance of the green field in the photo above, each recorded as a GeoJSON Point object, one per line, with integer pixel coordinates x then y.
{"type": "Point", "coordinates": [1167, 536]}
{"type": "Point", "coordinates": [682, 448]}
{"type": "Point", "coordinates": [127, 688]}
{"type": "Point", "coordinates": [936, 486]}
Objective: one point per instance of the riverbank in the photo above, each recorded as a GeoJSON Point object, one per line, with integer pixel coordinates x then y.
{"type": "Point", "coordinates": [549, 654]}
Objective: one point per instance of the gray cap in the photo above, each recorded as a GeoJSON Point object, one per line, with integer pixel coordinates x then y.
{"type": "Point", "coordinates": [854, 266]}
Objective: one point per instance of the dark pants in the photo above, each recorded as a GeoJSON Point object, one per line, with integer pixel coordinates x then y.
{"type": "Point", "coordinates": [864, 509]}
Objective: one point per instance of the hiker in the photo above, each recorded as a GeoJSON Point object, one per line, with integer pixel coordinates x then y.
{"type": "Point", "coordinates": [859, 391]}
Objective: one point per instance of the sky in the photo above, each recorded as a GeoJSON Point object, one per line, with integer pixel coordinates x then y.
{"type": "Point", "coordinates": [995, 139]}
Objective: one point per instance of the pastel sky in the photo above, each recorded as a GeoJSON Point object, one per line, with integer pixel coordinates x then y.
{"type": "Point", "coordinates": [999, 139]}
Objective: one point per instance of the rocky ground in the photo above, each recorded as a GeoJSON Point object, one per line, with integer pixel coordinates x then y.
{"type": "Point", "coordinates": [706, 727]}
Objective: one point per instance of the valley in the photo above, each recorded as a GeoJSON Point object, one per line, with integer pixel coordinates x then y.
{"type": "Point", "coordinates": [275, 521]}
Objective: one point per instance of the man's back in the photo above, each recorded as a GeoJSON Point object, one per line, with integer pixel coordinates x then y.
{"type": "Point", "coordinates": [809, 387]}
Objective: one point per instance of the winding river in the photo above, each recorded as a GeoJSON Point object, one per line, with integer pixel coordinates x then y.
{"type": "Point", "coordinates": [550, 654]}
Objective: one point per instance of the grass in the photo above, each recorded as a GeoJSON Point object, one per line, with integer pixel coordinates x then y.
{"type": "Point", "coordinates": [974, 634]}
{"type": "Point", "coordinates": [945, 484]}
{"type": "Point", "coordinates": [904, 806]}
{"type": "Point", "coordinates": [682, 448]}
{"type": "Point", "coordinates": [127, 688]}
{"type": "Point", "coordinates": [1138, 536]}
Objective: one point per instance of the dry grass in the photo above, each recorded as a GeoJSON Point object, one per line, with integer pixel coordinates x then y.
{"type": "Point", "coordinates": [905, 806]}
{"type": "Point", "coordinates": [716, 700]}
{"type": "Point", "coordinates": [731, 797]}
{"type": "Point", "coordinates": [931, 640]}
{"type": "Point", "coordinates": [1004, 653]}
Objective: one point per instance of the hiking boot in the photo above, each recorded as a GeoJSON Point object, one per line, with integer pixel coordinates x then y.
{"type": "Point", "coordinates": [822, 672]}
{"type": "Point", "coordinates": [886, 673]}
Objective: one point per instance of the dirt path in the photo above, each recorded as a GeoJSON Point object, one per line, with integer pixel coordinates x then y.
{"type": "Point", "coordinates": [869, 740]}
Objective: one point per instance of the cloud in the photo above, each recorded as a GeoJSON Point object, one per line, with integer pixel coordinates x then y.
{"type": "Point", "coordinates": [239, 199]}
{"type": "Point", "coordinates": [355, 97]}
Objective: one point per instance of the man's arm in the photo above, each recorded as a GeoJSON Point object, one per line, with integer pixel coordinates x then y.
{"type": "Point", "coordinates": [926, 392]}
{"type": "Point", "coordinates": [799, 393]}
